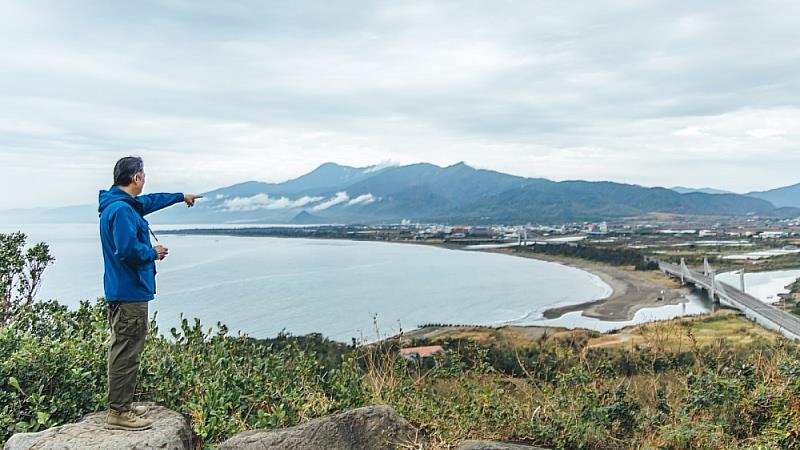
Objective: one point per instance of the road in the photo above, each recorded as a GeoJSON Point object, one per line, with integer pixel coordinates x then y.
{"type": "Point", "coordinates": [765, 314]}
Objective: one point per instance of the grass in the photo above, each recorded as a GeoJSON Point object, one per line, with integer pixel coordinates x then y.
{"type": "Point", "coordinates": [710, 381]}
{"type": "Point", "coordinates": [680, 334]}
{"type": "Point", "coordinates": [673, 334]}
{"type": "Point", "coordinates": [512, 336]}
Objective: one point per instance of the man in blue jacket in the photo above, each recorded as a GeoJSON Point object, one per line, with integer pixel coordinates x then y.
{"type": "Point", "coordinates": [130, 282]}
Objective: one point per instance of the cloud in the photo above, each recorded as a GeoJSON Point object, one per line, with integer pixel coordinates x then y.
{"type": "Point", "coordinates": [339, 198]}
{"type": "Point", "coordinates": [365, 199]}
{"type": "Point", "coordinates": [690, 131]}
{"type": "Point", "coordinates": [268, 91]}
{"type": "Point", "coordinates": [264, 201]}
{"type": "Point", "coordinates": [764, 132]}
{"type": "Point", "coordinates": [382, 165]}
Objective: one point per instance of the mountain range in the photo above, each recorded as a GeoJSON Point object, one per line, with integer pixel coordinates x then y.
{"type": "Point", "coordinates": [459, 193]}
{"type": "Point", "coordinates": [705, 190]}
{"type": "Point", "coordinates": [788, 196]}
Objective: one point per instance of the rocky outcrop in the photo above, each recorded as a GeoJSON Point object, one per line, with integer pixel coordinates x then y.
{"type": "Point", "coordinates": [370, 428]}
{"type": "Point", "coordinates": [488, 445]}
{"type": "Point", "coordinates": [373, 427]}
{"type": "Point", "coordinates": [170, 431]}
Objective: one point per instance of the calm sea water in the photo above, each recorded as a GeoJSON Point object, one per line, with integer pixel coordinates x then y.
{"type": "Point", "coordinates": [261, 286]}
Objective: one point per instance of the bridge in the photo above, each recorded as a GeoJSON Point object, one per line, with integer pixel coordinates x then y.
{"type": "Point", "coordinates": [764, 314]}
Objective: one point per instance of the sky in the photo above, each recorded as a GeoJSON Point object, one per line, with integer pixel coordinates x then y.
{"type": "Point", "coordinates": [213, 93]}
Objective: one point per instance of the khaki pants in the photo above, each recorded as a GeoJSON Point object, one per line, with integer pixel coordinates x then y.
{"type": "Point", "coordinates": [128, 321]}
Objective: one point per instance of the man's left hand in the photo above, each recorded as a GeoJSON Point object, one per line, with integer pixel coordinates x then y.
{"type": "Point", "coordinates": [190, 198]}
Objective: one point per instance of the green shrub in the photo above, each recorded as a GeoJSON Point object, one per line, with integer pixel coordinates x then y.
{"type": "Point", "coordinates": [53, 371]}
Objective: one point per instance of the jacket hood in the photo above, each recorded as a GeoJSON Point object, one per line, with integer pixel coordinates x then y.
{"type": "Point", "coordinates": [115, 194]}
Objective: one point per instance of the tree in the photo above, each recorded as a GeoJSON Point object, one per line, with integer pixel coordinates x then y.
{"type": "Point", "coordinates": [20, 274]}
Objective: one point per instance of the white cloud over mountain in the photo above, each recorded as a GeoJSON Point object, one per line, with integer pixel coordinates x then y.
{"type": "Point", "coordinates": [365, 199]}
{"type": "Point", "coordinates": [264, 201]}
{"type": "Point", "coordinates": [339, 198]}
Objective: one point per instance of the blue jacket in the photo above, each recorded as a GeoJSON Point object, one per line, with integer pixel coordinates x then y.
{"type": "Point", "coordinates": [129, 259]}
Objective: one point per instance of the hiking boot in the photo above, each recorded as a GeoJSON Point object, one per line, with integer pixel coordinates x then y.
{"type": "Point", "coordinates": [141, 409]}
{"type": "Point", "coordinates": [127, 420]}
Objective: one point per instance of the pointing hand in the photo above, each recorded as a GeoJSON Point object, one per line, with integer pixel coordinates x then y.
{"type": "Point", "coordinates": [190, 198]}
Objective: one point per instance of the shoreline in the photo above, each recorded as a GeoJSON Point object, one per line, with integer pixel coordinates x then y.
{"type": "Point", "coordinates": [630, 291]}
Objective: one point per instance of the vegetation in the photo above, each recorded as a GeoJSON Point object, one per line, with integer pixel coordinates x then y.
{"type": "Point", "coordinates": [53, 370]}
{"type": "Point", "coordinates": [791, 301]}
{"type": "Point", "coordinates": [791, 261]}
{"type": "Point", "coordinates": [613, 256]}
{"type": "Point", "coordinates": [20, 274]}
{"type": "Point", "coordinates": [714, 382]}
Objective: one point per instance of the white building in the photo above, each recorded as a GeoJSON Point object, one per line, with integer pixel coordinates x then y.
{"type": "Point", "coordinates": [773, 234]}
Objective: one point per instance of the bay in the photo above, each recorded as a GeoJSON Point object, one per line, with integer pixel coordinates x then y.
{"type": "Point", "coordinates": [342, 289]}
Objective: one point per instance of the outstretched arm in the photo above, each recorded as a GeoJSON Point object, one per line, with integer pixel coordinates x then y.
{"type": "Point", "coordinates": [156, 202]}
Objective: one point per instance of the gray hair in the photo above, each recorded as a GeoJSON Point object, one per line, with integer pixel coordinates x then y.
{"type": "Point", "coordinates": [126, 168]}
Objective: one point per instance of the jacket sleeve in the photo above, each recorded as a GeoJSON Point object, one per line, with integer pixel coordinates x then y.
{"type": "Point", "coordinates": [127, 247]}
{"type": "Point", "coordinates": [156, 202]}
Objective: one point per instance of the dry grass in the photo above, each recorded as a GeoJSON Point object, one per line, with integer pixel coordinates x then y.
{"type": "Point", "coordinates": [673, 335]}
{"type": "Point", "coordinates": [514, 336]}
{"type": "Point", "coordinates": [681, 334]}
{"type": "Point", "coordinates": [495, 406]}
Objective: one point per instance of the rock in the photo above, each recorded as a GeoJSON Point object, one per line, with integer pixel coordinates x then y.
{"type": "Point", "coordinates": [489, 445]}
{"type": "Point", "coordinates": [170, 432]}
{"type": "Point", "coordinates": [373, 428]}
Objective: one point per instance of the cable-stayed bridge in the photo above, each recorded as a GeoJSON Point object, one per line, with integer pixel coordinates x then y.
{"type": "Point", "coordinates": [762, 313]}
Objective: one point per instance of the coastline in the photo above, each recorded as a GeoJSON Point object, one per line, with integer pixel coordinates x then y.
{"type": "Point", "coordinates": [631, 291]}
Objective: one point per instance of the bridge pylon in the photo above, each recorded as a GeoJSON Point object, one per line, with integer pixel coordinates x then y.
{"type": "Point", "coordinates": [713, 291]}
{"type": "Point", "coordinates": [684, 271]}
{"type": "Point", "coordinates": [706, 267]}
{"type": "Point", "coordinates": [741, 280]}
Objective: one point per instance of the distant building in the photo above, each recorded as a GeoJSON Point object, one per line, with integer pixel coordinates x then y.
{"type": "Point", "coordinates": [678, 232]}
{"type": "Point", "coordinates": [481, 232]}
{"type": "Point", "coordinates": [458, 232]}
{"type": "Point", "coordinates": [595, 229]}
{"type": "Point", "coordinates": [420, 353]}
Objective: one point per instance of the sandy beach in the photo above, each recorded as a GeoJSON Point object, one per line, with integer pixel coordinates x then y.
{"type": "Point", "coordinates": [632, 290]}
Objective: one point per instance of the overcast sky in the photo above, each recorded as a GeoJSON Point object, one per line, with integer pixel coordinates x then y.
{"type": "Point", "coordinates": [213, 93]}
